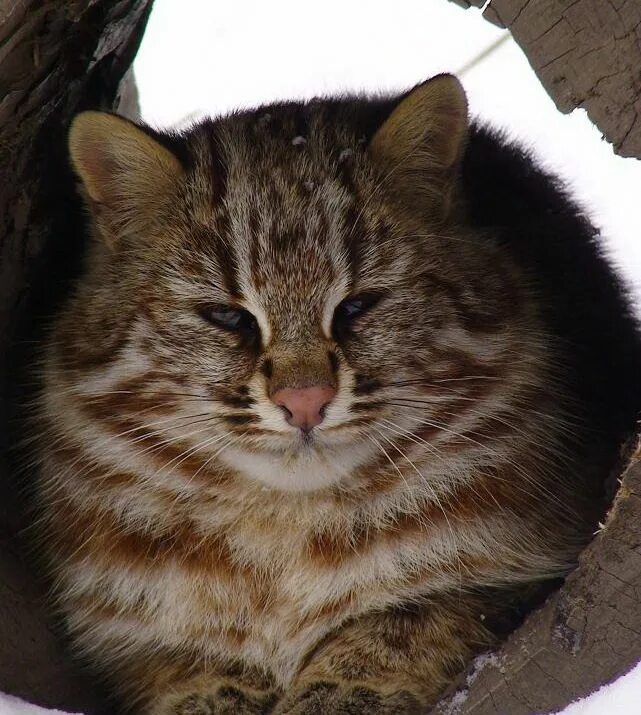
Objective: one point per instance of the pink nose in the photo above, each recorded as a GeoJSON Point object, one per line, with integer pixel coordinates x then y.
{"type": "Point", "coordinates": [304, 406]}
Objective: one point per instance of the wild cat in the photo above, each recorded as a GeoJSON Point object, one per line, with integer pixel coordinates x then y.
{"type": "Point", "coordinates": [337, 380]}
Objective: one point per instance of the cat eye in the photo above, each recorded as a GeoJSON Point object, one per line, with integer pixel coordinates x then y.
{"type": "Point", "coordinates": [237, 320]}
{"type": "Point", "coordinates": [348, 310]}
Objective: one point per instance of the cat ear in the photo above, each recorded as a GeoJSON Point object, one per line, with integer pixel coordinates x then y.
{"type": "Point", "coordinates": [420, 144]}
{"type": "Point", "coordinates": [129, 179]}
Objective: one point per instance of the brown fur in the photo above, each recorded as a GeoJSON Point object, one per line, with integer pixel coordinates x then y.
{"type": "Point", "coordinates": [207, 559]}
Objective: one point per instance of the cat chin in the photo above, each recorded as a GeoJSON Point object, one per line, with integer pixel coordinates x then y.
{"type": "Point", "coordinates": [306, 470]}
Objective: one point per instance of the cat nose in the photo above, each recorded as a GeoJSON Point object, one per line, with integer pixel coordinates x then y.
{"type": "Point", "coordinates": [304, 407]}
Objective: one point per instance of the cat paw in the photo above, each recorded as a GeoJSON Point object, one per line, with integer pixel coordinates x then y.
{"type": "Point", "coordinates": [228, 700]}
{"type": "Point", "coordinates": [324, 698]}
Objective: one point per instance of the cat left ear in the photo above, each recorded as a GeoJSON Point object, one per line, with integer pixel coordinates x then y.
{"type": "Point", "coordinates": [421, 143]}
{"type": "Point", "coordinates": [128, 177]}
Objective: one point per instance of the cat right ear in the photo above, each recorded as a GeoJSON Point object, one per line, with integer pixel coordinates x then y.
{"type": "Point", "coordinates": [420, 145]}
{"type": "Point", "coordinates": [129, 179]}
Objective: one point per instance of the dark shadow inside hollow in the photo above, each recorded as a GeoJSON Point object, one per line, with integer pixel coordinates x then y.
{"type": "Point", "coordinates": [51, 276]}
{"type": "Point", "coordinates": [57, 59]}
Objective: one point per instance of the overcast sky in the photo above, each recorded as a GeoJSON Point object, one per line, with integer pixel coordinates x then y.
{"type": "Point", "coordinates": [207, 57]}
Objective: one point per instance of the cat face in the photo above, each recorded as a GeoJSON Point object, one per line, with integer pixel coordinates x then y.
{"type": "Point", "coordinates": [288, 299]}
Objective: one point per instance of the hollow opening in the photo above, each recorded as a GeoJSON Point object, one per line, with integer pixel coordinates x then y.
{"type": "Point", "coordinates": [192, 64]}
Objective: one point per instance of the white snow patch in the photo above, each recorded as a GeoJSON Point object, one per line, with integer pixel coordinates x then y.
{"type": "Point", "coordinates": [622, 697]}
{"type": "Point", "coordinates": [10, 705]}
{"type": "Point", "coordinates": [456, 703]}
{"type": "Point", "coordinates": [482, 661]}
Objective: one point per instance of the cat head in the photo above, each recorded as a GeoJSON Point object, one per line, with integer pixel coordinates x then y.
{"type": "Point", "coordinates": [296, 284]}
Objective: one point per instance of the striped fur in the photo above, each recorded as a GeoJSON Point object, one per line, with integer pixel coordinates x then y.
{"type": "Point", "coordinates": [206, 558]}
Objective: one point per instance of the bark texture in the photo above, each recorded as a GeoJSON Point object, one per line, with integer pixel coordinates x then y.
{"type": "Point", "coordinates": [587, 633]}
{"type": "Point", "coordinates": [56, 57]}
{"type": "Point", "coordinates": [587, 54]}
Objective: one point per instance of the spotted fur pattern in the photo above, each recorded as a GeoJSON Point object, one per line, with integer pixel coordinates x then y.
{"type": "Point", "coordinates": [208, 558]}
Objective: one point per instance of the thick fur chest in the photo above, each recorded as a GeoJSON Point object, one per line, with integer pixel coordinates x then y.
{"type": "Point", "coordinates": [258, 590]}
{"type": "Point", "coordinates": [254, 579]}
{"type": "Point", "coordinates": [133, 592]}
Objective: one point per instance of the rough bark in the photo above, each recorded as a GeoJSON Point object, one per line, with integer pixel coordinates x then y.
{"type": "Point", "coordinates": [587, 633]}
{"type": "Point", "coordinates": [587, 54]}
{"type": "Point", "coordinates": [56, 57]}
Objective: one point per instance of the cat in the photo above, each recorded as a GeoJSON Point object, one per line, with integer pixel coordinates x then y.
{"type": "Point", "coordinates": [338, 382]}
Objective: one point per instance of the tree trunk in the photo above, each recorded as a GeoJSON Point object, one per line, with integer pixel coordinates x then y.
{"type": "Point", "coordinates": [56, 57]}
{"type": "Point", "coordinates": [585, 635]}
{"type": "Point", "coordinates": [60, 56]}
{"type": "Point", "coordinates": [587, 53]}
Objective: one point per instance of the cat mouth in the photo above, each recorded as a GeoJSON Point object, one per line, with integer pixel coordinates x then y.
{"type": "Point", "coordinates": [318, 440]}
{"type": "Point", "coordinates": [300, 461]}
{"type": "Point", "coordinates": [304, 442]}
{"type": "Point", "coordinates": [307, 439]}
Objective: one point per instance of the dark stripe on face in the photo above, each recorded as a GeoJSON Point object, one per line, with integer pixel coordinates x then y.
{"type": "Point", "coordinates": [237, 401]}
{"type": "Point", "coordinates": [267, 368]}
{"type": "Point", "coordinates": [239, 419]}
{"type": "Point", "coordinates": [365, 385]}
{"type": "Point", "coordinates": [226, 261]}
{"type": "Point", "coordinates": [469, 309]}
{"type": "Point", "coordinates": [222, 238]}
{"type": "Point", "coordinates": [218, 171]}
{"type": "Point", "coordinates": [366, 406]}
{"type": "Point", "coordinates": [283, 240]}
{"type": "Point", "coordinates": [91, 354]}
{"type": "Point", "coordinates": [255, 262]}
{"type": "Point", "coordinates": [353, 239]}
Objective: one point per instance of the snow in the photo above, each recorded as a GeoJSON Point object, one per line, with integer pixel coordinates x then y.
{"type": "Point", "coordinates": [623, 697]}
{"type": "Point", "coordinates": [10, 705]}
{"type": "Point", "coordinates": [456, 703]}
{"type": "Point", "coordinates": [480, 662]}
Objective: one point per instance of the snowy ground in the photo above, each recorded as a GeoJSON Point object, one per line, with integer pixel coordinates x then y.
{"type": "Point", "coordinates": [13, 706]}
{"type": "Point", "coordinates": [201, 57]}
